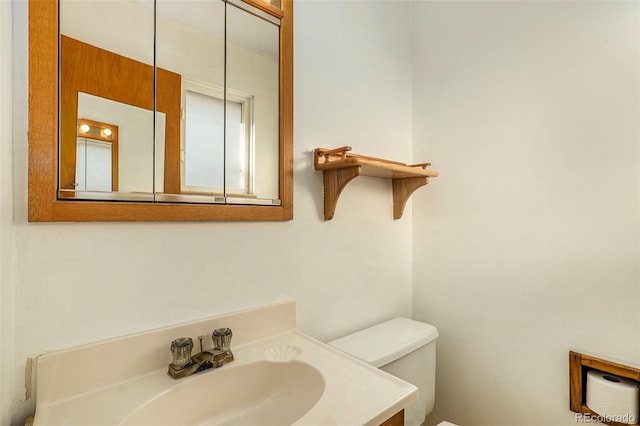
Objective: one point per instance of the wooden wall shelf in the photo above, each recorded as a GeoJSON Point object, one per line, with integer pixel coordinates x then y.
{"type": "Point", "coordinates": [579, 365]}
{"type": "Point", "coordinates": [339, 167]}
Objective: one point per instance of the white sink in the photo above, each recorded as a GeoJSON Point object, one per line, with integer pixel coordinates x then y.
{"type": "Point", "coordinates": [280, 376]}
{"type": "Point", "coordinates": [258, 393]}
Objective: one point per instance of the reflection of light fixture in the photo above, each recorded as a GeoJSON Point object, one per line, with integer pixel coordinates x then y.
{"type": "Point", "coordinates": [97, 130]}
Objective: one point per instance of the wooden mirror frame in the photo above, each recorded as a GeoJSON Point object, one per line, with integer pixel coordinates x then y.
{"type": "Point", "coordinates": [44, 205]}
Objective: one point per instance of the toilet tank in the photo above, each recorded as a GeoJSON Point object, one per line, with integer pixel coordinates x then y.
{"type": "Point", "coordinates": [404, 348]}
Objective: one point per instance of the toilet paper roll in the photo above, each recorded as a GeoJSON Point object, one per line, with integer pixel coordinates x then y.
{"type": "Point", "coordinates": [615, 398]}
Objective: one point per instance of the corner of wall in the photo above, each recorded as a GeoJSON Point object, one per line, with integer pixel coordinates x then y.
{"type": "Point", "coordinates": [6, 288]}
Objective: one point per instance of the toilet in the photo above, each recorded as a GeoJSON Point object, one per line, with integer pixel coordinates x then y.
{"type": "Point", "coordinates": [404, 348]}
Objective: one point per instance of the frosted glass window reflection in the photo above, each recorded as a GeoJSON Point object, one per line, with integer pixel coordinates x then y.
{"type": "Point", "coordinates": [204, 147]}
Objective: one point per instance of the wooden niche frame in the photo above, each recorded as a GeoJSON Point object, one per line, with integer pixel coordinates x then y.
{"type": "Point", "coordinates": [579, 366]}
{"type": "Point", "coordinates": [44, 203]}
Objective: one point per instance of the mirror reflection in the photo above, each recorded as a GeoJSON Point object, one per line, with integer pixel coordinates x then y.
{"type": "Point", "coordinates": [214, 136]}
{"type": "Point", "coordinates": [104, 72]}
{"type": "Point", "coordinates": [253, 75]}
{"type": "Point", "coordinates": [96, 157]}
{"type": "Point", "coordinates": [131, 174]}
{"type": "Point", "coordinates": [190, 42]}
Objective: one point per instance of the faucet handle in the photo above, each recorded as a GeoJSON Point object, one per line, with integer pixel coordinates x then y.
{"type": "Point", "coordinates": [222, 339]}
{"type": "Point", "coordinates": [181, 351]}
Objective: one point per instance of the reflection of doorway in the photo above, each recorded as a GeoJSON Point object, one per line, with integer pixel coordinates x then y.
{"type": "Point", "coordinates": [96, 156]}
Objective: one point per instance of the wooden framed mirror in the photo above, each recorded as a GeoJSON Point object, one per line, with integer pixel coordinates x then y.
{"type": "Point", "coordinates": [49, 179]}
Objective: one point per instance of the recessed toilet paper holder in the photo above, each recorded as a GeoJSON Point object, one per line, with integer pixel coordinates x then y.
{"type": "Point", "coordinates": [579, 366]}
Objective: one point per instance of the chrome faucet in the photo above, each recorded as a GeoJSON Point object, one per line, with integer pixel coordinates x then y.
{"type": "Point", "coordinates": [184, 364]}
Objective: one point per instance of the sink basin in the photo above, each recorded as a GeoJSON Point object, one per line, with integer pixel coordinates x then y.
{"type": "Point", "coordinates": [259, 393]}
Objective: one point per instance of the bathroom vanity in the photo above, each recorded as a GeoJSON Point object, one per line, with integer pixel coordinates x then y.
{"type": "Point", "coordinates": [279, 376]}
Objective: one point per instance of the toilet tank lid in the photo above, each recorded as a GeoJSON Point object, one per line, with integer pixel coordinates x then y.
{"type": "Point", "coordinates": [388, 341]}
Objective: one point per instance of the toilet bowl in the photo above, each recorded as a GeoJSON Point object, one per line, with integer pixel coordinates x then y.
{"type": "Point", "coordinates": [404, 348]}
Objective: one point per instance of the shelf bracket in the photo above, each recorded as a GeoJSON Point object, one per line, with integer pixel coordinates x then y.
{"type": "Point", "coordinates": [334, 182]}
{"type": "Point", "coordinates": [339, 167]}
{"type": "Point", "coordinates": [402, 190]}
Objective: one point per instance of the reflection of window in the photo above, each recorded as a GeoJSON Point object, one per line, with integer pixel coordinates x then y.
{"type": "Point", "coordinates": [204, 149]}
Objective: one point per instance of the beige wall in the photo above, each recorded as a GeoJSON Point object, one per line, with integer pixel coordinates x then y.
{"type": "Point", "coordinates": [76, 283]}
{"type": "Point", "coordinates": [527, 245]}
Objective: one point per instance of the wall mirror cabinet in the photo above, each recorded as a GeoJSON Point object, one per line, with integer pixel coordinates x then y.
{"type": "Point", "coordinates": [143, 110]}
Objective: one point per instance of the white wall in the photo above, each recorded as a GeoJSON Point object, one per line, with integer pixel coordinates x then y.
{"type": "Point", "coordinates": [6, 251]}
{"type": "Point", "coordinates": [526, 246]}
{"type": "Point", "coordinates": [76, 283]}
